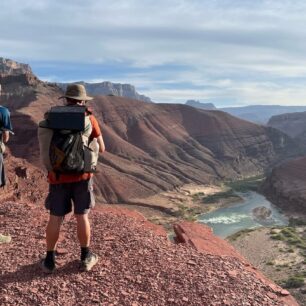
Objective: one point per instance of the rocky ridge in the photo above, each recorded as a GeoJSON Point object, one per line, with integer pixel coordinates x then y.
{"type": "Point", "coordinates": [198, 104]}
{"type": "Point", "coordinates": [109, 88]}
{"type": "Point", "coordinates": [293, 124]}
{"type": "Point", "coordinates": [10, 67]}
{"type": "Point", "coordinates": [260, 114]}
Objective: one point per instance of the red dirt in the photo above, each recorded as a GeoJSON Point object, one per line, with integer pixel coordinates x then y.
{"type": "Point", "coordinates": [136, 267]}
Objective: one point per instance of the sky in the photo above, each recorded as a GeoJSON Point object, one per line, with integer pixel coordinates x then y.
{"type": "Point", "coordinates": [227, 52]}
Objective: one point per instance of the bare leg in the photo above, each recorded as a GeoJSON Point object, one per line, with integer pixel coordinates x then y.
{"type": "Point", "coordinates": [52, 231]}
{"type": "Point", "coordinates": [83, 230]}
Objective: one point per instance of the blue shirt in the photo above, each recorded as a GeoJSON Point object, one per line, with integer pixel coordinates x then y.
{"type": "Point", "coordinates": [5, 121]}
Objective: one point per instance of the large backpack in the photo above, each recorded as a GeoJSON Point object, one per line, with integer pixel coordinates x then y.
{"type": "Point", "coordinates": [66, 150]}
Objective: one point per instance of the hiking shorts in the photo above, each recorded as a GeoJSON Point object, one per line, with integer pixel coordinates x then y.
{"type": "Point", "coordinates": [61, 196]}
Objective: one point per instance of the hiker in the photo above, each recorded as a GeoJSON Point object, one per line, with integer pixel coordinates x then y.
{"type": "Point", "coordinates": [5, 130]}
{"type": "Point", "coordinates": [68, 185]}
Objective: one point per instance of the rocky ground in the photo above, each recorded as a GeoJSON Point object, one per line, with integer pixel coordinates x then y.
{"type": "Point", "coordinates": [277, 259]}
{"type": "Point", "coordinates": [138, 266]}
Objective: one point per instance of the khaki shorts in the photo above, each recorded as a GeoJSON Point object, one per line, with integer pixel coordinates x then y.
{"type": "Point", "coordinates": [61, 196]}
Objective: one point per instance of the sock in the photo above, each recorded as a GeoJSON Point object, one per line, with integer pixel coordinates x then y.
{"type": "Point", "coordinates": [84, 253]}
{"type": "Point", "coordinates": [50, 259]}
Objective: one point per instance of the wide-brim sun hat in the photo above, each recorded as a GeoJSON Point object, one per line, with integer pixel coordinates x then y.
{"type": "Point", "coordinates": [76, 92]}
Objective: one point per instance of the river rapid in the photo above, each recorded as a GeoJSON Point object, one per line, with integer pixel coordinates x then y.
{"type": "Point", "coordinates": [229, 220]}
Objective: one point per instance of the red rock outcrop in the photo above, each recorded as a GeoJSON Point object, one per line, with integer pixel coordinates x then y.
{"type": "Point", "coordinates": [201, 237]}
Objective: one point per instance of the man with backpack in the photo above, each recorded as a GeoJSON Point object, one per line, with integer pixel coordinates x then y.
{"type": "Point", "coordinates": [5, 130]}
{"type": "Point", "coordinates": [69, 139]}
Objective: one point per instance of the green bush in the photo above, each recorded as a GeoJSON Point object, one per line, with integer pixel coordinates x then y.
{"type": "Point", "coordinates": [302, 246]}
{"type": "Point", "coordinates": [289, 232]}
{"type": "Point", "coordinates": [251, 183]}
{"type": "Point", "coordinates": [218, 196]}
{"type": "Point", "coordinates": [293, 241]}
{"type": "Point", "coordinates": [270, 263]}
{"type": "Point", "coordinates": [294, 282]}
{"type": "Point", "coordinates": [278, 237]}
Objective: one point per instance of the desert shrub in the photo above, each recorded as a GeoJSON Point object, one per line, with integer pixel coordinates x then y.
{"type": "Point", "coordinates": [288, 232]}
{"type": "Point", "coordinates": [197, 196]}
{"type": "Point", "coordinates": [302, 246]}
{"type": "Point", "coordinates": [278, 237]}
{"type": "Point", "coordinates": [218, 196]}
{"type": "Point", "coordinates": [294, 282]}
{"type": "Point", "coordinates": [251, 183]}
{"type": "Point", "coordinates": [293, 241]}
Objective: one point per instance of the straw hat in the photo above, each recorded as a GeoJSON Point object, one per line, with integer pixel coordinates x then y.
{"type": "Point", "coordinates": [77, 92]}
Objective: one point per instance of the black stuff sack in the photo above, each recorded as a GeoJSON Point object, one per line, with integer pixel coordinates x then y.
{"type": "Point", "coordinates": [66, 118]}
{"type": "Point", "coordinates": [67, 152]}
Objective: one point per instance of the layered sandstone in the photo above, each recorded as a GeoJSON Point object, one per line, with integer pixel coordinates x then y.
{"type": "Point", "coordinates": [10, 67]}
{"type": "Point", "coordinates": [109, 88]}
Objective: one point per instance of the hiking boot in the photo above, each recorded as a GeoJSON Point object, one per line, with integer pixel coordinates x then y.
{"type": "Point", "coordinates": [89, 262]}
{"type": "Point", "coordinates": [5, 239]}
{"type": "Point", "coordinates": [47, 268]}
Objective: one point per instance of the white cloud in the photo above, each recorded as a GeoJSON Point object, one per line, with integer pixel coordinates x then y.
{"type": "Point", "coordinates": [232, 48]}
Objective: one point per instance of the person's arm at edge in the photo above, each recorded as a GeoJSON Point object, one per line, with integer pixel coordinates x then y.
{"type": "Point", "coordinates": [101, 144]}
{"type": "Point", "coordinates": [96, 133]}
{"type": "Point", "coordinates": [6, 136]}
{"type": "Point", "coordinates": [7, 125]}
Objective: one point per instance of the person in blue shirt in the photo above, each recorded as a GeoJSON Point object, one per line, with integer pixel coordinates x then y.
{"type": "Point", "coordinates": [5, 130]}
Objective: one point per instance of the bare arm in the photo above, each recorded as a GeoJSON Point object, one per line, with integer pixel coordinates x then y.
{"type": "Point", "coordinates": [101, 144]}
{"type": "Point", "coordinates": [6, 136]}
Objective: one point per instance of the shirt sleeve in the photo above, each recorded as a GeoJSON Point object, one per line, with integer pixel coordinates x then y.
{"type": "Point", "coordinates": [5, 120]}
{"type": "Point", "coordinates": [96, 131]}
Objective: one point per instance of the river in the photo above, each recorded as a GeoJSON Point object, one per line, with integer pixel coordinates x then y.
{"type": "Point", "coordinates": [229, 220]}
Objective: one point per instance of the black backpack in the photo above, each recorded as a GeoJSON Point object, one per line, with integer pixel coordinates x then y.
{"type": "Point", "coordinates": [67, 148]}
